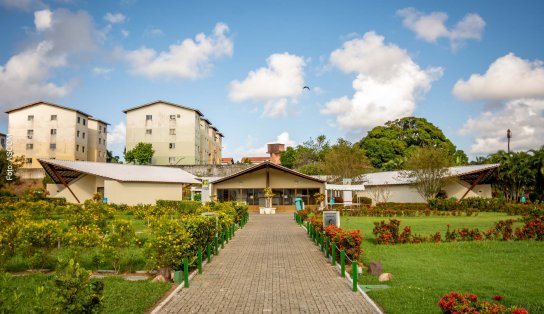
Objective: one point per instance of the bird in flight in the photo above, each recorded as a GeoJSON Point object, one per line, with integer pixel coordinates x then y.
{"type": "Point", "coordinates": [306, 87]}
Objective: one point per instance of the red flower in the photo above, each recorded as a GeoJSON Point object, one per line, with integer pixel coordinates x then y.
{"type": "Point", "coordinates": [520, 311]}
{"type": "Point", "coordinates": [497, 297]}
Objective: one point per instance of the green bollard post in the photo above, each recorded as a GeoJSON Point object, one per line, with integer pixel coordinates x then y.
{"type": "Point", "coordinates": [333, 248]}
{"type": "Point", "coordinates": [354, 275]}
{"type": "Point", "coordinates": [216, 245]}
{"type": "Point", "coordinates": [209, 252]}
{"type": "Point", "coordinates": [307, 229]}
{"type": "Point", "coordinates": [222, 240]}
{"type": "Point", "coordinates": [199, 259]}
{"type": "Point", "coordinates": [233, 227]}
{"type": "Point", "coordinates": [322, 242]}
{"type": "Point", "coordinates": [342, 263]}
{"type": "Point", "coordinates": [327, 245]}
{"type": "Point", "coordinates": [227, 234]}
{"type": "Point", "coordinates": [186, 272]}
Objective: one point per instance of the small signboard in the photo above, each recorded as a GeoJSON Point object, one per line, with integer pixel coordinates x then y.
{"type": "Point", "coordinates": [105, 200]}
{"type": "Point", "coordinates": [205, 184]}
{"type": "Point", "coordinates": [331, 218]}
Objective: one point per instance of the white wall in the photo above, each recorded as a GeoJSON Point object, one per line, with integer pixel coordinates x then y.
{"type": "Point", "coordinates": [133, 193]}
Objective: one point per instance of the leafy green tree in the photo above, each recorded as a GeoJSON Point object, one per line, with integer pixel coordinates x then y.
{"type": "Point", "coordinates": [515, 175]}
{"type": "Point", "coordinates": [112, 159]}
{"type": "Point", "coordinates": [288, 158]}
{"type": "Point", "coordinates": [388, 146]}
{"type": "Point", "coordinates": [537, 163]}
{"type": "Point", "coordinates": [307, 156]}
{"type": "Point", "coordinates": [428, 167]}
{"type": "Point", "coordinates": [141, 154]}
{"type": "Point", "coordinates": [9, 165]}
{"type": "Point", "coordinates": [345, 160]}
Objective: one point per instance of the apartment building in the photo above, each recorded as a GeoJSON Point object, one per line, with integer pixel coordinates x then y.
{"type": "Point", "coordinates": [47, 130]}
{"type": "Point", "coordinates": [180, 135]}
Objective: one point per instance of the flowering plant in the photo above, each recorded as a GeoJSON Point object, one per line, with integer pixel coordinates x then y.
{"type": "Point", "coordinates": [468, 303]}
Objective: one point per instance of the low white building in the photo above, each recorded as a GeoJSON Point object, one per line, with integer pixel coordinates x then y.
{"type": "Point", "coordinates": [469, 181]}
{"type": "Point", "coordinates": [78, 181]}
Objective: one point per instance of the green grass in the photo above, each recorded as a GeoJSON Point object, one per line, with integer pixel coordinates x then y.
{"type": "Point", "coordinates": [120, 296]}
{"type": "Point", "coordinates": [423, 273]}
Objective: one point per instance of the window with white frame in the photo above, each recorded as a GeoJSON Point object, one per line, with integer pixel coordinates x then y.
{"type": "Point", "coordinates": [172, 145]}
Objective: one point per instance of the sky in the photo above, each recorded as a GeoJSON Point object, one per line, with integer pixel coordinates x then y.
{"type": "Point", "coordinates": [472, 68]}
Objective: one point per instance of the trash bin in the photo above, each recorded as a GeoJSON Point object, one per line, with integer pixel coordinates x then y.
{"type": "Point", "coordinates": [299, 203]}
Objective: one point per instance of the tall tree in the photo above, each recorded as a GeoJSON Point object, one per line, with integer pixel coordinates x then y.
{"type": "Point", "coordinates": [428, 167]}
{"type": "Point", "coordinates": [344, 160]}
{"type": "Point", "coordinates": [141, 154]}
{"type": "Point", "coordinates": [112, 159]}
{"type": "Point", "coordinates": [515, 175]}
{"type": "Point", "coordinates": [388, 146]}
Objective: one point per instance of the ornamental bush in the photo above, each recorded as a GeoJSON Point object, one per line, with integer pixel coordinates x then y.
{"type": "Point", "coordinates": [534, 226]}
{"type": "Point", "coordinates": [168, 243]}
{"type": "Point", "coordinates": [202, 230]}
{"type": "Point", "coordinates": [180, 207]}
{"type": "Point", "coordinates": [347, 240]}
{"type": "Point", "coordinates": [468, 303]}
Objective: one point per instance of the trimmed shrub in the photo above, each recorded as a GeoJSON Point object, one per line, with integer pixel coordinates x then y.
{"type": "Point", "coordinates": [181, 207]}
{"type": "Point", "coordinates": [347, 240]}
{"type": "Point", "coordinates": [167, 245]}
{"type": "Point", "coordinates": [202, 230]}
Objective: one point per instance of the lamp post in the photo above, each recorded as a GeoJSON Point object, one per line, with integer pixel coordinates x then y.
{"type": "Point", "coordinates": [508, 136]}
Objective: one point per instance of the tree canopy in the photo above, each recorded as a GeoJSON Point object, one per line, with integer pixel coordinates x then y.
{"type": "Point", "coordinates": [389, 146]}
{"type": "Point", "coordinates": [141, 154]}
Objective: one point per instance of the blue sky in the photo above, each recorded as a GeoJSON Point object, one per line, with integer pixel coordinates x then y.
{"type": "Point", "coordinates": [473, 68]}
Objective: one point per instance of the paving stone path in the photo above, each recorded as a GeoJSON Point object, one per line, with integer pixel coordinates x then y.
{"type": "Point", "coordinates": [270, 266]}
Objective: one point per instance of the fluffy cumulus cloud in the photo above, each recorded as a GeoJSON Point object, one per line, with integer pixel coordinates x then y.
{"type": "Point", "coordinates": [430, 27]}
{"type": "Point", "coordinates": [27, 75]}
{"type": "Point", "coordinates": [190, 59]}
{"type": "Point", "coordinates": [115, 18]}
{"type": "Point", "coordinates": [116, 138]}
{"type": "Point", "coordinates": [277, 85]}
{"type": "Point", "coordinates": [509, 77]}
{"type": "Point", "coordinates": [387, 84]}
{"type": "Point", "coordinates": [516, 88]}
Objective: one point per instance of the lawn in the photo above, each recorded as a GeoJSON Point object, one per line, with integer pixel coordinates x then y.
{"type": "Point", "coordinates": [120, 296]}
{"type": "Point", "coordinates": [424, 272]}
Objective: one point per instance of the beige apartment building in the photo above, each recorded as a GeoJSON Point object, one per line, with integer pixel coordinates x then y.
{"type": "Point", "coordinates": [180, 135]}
{"type": "Point", "coordinates": [47, 130]}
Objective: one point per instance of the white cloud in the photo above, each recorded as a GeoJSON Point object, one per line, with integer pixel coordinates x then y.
{"type": "Point", "coordinates": [509, 77]}
{"type": "Point", "coordinates": [524, 117]}
{"type": "Point", "coordinates": [101, 71]}
{"type": "Point", "coordinates": [27, 75]}
{"type": "Point", "coordinates": [430, 27]}
{"type": "Point", "coordinates": [25, 5]}
{"type": "Point", "coordinates": [189, 59]}
{"type": "Point", "coordinates": [115, 18]}
{"type": "Point", "coordinates": [125, 33]}
{"type": "Point", "coordinates": [116, 138]}
{"type": "Point", "coordinates": [42, 19]}
{"type": "Point", "coordinates": [387, 85]}
{"type": "Point", "coordinates": [153, 32]}
{"type": "Point", "coordinates": [277, 85]}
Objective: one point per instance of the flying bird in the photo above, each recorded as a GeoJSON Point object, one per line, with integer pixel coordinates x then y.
{"type": "Point", "coordinates": [306, 87]}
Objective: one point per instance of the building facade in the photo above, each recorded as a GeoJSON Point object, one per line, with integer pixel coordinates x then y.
{"type": "Point", "coordinates": [180, 135]}
{"type": "Point", "coordinates": [47, 130]}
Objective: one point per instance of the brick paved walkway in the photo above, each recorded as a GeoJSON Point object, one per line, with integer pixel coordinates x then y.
{"type": "Point", "coordinates": [270, 266]}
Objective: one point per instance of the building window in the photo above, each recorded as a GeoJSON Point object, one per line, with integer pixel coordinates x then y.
{"type": "Point", "coordinates": [173, 117]}
{"type": "Point", "coordinates": [83, 149]}
{"type": "Point", "coordinates": [105, 129]}
{"type": "Point", "coordinates": [30, 118]}
{"type": "Point", "coordinates": [172, 145]}
{"type": "Point", "coordinates": [171, 160]}
{"type": "Point", "coordinates": [29, 146]}
{"type": "Point", "coordinates": [53, 131]}
{"type": "Point", "coordinates": [53, 117]}
{"type": "Point", "coordinates": [78, 119]}
{"type": "Point", "coordinates": [77, 148]}
{"type": "Point", "coordinates": [77, 134]}
{"type": "Point", "coordinates": [172, 131]}
{"type": "Point", "coordinates": [29, 134]}
{"type": "Point", "coordinates": [83, 121]}
{"type": "Point", "coordinates": [53, 146]}
{"type": "Point", "coordinates": [148, 117]}
{"type": "Point", "coordinates": [83, 135]}
{"type": "Point", "coordinates": [148, 131]}
{"type": "Point", "coordinates": [28, 160]}
{"type": "Point", "coordinates": [99, 141]}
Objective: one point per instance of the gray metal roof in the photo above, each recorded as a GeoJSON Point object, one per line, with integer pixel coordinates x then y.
{"type": "Point", "coordinates": [71, 170]}
{"type": "Point", "coordinates": [166, 103]}
{"type": "Point", "coordinates": [397, 177]}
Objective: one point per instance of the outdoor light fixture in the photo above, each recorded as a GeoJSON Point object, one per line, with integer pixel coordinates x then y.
{"type": "Point", "coordinates": [508, 136]}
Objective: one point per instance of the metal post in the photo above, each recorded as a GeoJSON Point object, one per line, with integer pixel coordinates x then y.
{"type": "Point", "coordinates": [223, 240]}
{"type": "Point", "coordinates": [209, 252]}
{"type": "Point", "coordinates": [233, 230]}
{"type": "Point", "coordinates": [327, 248]}
{"type": "Point", "coordinates": [227, 234]}
{"type": "Point", "coordinates": [186, 272]}
{"type": "Point", "coordinates": [354, 275]}
{"type": "Point", "coordinates": [323, 242]}
{"type": "Point", "coordinates": [333, 247]}
{"type": "Point", "coordinates": [342, 263]}
{"type": "Point", "coordinates": [216, 245]}
{"type": "Point", "coordinates": [199, 258]}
